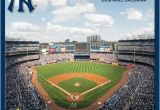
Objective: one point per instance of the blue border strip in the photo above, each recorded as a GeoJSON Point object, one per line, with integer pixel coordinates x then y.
{"type": "Point", "coordinates": [2, 55]}
{"type": "Point", "coordinates": [156, 85]}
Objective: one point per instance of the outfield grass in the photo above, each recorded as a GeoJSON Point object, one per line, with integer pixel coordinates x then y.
{"type": "Point", "coordinates": [106, 70]}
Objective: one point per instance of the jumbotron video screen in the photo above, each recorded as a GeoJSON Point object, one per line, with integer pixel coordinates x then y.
{"type": "Point", "coordinates": [82, 47]}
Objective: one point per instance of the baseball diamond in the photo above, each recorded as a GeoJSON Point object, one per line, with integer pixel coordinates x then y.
{"type": "Point", "coordinates": [78, 82]}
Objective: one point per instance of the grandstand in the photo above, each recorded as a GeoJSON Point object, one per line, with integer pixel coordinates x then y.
{"type": "Point", "coordinates": [20, 93]}
{"type": "Point", "coordinates": [21, 47]}
{"type": "Point", "coordinates": [136, 94]}
{"type": "Point", "coordinates": [137, 51]}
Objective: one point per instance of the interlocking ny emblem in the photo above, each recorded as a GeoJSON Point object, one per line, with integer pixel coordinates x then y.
{"type": "Point", "coordinates": [73, 105]}
{"type": "Point", "coordinates": [28, 3]}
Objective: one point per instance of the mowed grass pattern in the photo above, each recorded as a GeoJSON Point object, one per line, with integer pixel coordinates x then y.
{"type": "Point", "coordinates": [69, 85]}
{"type": "Point", "coordinates": [106, 70]}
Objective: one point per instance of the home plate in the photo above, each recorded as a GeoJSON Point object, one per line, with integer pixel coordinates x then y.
{"type": "Point", "coordinates": [49, 102]}
{"type": "Point", "coordinates": [75, 97]}
{"type": "Point", "coordinates": [99, 103]}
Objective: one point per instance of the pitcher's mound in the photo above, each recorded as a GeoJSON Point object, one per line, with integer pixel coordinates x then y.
{"type": "Point", "coordinates": [77, 84]}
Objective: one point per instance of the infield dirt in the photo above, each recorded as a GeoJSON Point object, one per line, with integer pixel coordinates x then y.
{"type": "Point", "coordinates": [66, 76]}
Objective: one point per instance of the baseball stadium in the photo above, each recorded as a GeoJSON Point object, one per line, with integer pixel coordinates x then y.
{"type": "Point", "coordinates": [90, 75]}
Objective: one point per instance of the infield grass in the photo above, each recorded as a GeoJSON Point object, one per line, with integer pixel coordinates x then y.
{"type": "Point", "coordinates": [84, 84]}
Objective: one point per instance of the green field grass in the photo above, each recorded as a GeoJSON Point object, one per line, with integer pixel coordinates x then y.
{"type": "Point", "coordinates": [106, 70]}
{"type": "Point", "coordinates": [85, 84]}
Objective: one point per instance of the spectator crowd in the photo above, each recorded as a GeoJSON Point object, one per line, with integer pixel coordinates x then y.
{"type": "Point", "coordinates": [20, 93]}
{"type": "Point", "coordinates": [137, 58]}
{"type": "Point", "coordinates": [104, 57]}
{"type": "Point", "coordinates": [136, 94]}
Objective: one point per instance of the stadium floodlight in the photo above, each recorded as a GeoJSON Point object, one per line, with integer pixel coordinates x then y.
{"type": "Point", "coordinates": [134, 55]}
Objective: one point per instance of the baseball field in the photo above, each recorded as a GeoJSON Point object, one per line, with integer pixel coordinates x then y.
{"type": "Point", "coordinates": [78, 84]}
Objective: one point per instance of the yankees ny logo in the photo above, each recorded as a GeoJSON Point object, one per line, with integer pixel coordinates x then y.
{"type": "Point", "coordinates": [28, 3]}
{"type": "Point", "coordinates": [73, 105]}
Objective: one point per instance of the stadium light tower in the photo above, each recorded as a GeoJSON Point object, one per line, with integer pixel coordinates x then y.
{"type": "Point", "coordinates": [27, 56]}
{"type": "Point", "coordinates": [134, 55]}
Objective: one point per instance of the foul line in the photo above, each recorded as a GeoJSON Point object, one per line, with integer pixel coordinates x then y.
{"type": "Point", "coordinates": [83, 93]}
{"type": "Point", "coordinates": [60, 88]}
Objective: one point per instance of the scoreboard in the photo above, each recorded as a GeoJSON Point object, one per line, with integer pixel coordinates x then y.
{"type": "Point", "coordinates": [82, 47]}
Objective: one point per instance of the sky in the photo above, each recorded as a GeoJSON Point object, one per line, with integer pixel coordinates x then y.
{"type": "Point", "coordinates": [57, 20]}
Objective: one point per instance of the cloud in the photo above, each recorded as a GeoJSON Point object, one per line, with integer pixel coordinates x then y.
{"type": "Point", "coordinates": [149, 14]}
{"type": "Point", "coordinates": [41, 5]}
{"type": "Point", "coordinates": [141, 33]}
{"type": "Point", "coordinates": [28, 36]}
{"type": "Point", "coordinates": [98, 20]}
{"type": "Point", "coordinates": [146, 30]}
{"type": "Point", "coordinates": [72, 12]}
{"type": "Point", "coordinates": [68, 30]}
{"type": "Point", "coordinates": [73, 2]}
{"type": "Point", "coordinates": [24, 26]}
{"type": "Point", "coordinates": [60, 32]}
{"type": "Point", "coordinates": [59, 3]}
{"type": "Point", "coordinates": [133, 14]}
{"type": "Point", "coordinates": [150, 24]}
{"type": "Point", "coordinates": [43, 19]}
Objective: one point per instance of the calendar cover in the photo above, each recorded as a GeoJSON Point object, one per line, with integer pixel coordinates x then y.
{"type": "Point", "coordinates": [80, 55]}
